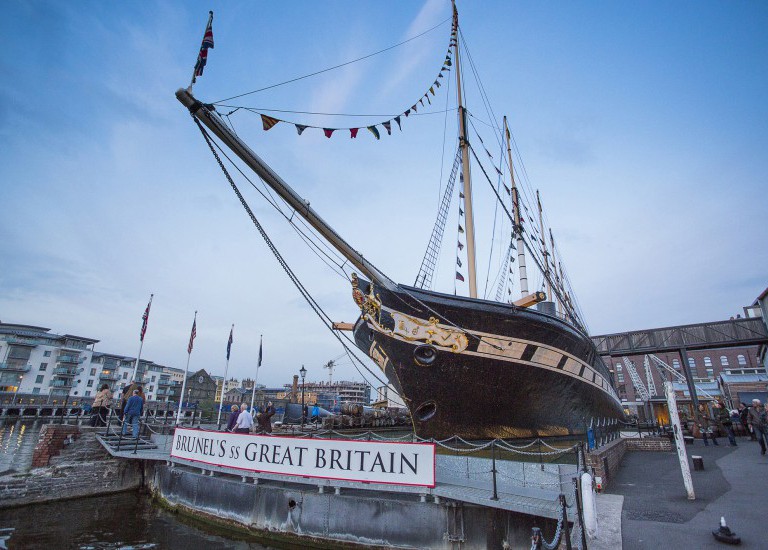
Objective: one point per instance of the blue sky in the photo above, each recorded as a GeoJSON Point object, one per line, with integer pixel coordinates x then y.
{"type": "Point", "coordinates": [643, 124]}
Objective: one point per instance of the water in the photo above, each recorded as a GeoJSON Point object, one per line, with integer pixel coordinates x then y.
{"type": "Point", "coordinates": [123, 521]}
{"type": "Point", "coordinates": [17, 443]}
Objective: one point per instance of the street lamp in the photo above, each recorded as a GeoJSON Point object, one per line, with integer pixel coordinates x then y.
{"type": "Point", "coordinates": [303, 373]}
{"type": "Point", "coordinates": [21, 377]}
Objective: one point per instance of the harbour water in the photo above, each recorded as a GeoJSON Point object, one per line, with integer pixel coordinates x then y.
{"type": "Point", "coordinates": [17, 443]}
{"type": "Point", "coordinates": [123, 521]}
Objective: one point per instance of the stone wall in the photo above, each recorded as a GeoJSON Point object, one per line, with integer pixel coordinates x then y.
{"type": "Point", "coordinates": [76, 465]}
{"type": "Point", "coordinates": [649, 444]}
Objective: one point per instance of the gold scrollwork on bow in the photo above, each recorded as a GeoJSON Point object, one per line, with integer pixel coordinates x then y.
{"type": "Point", "coordinates": [415, 329]}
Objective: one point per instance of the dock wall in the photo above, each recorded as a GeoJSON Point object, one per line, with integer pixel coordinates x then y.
{"type": "Point", "coordinates": [68, 462]}
{"type": "Point", "coordinates": [606, 460]}
{"type": "Point", "coordinates": [302, 514]}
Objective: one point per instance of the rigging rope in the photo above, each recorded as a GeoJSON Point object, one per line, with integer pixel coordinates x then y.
{"type": "Point", "coordinates": [291, 275]}
{"type": "Point", "coordinates": [335, 66]}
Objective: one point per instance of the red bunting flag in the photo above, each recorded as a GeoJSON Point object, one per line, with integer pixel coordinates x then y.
{"type": "Point", "coordinates": [268, 122]}
{"type": "Point", "coordinates": [328, 131]}
{"type": "Point", "coordinates": [353, 132]}
{"type": "Point", "coordinates": [459, 277]}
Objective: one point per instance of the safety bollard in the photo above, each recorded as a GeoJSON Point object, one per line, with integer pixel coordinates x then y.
{"type": "Point", "coordinates": [493, 469]}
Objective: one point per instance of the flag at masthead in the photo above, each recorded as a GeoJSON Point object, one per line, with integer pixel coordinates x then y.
{"type": "Point", "coordinates": [202, 57]}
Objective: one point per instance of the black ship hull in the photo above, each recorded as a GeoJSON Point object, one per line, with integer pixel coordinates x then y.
{"type": "Point", "coordinates": [483, 370]}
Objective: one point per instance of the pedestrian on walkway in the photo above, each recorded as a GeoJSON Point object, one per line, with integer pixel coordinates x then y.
{"type": "Point", "coordinates": [244, 420]}
{"type": "Point", "coordinates": [759, 423]}
{"type": "Point", "coordinates": [133, 409]}
{"type": "Point", "coordinates": [101, 406]}
{"type": "Point", "coordinates": [744, 414]}
{"type": "Point", "coordinates": [706, 425]}
{"type": "Point", "coordinates": [723, 418]}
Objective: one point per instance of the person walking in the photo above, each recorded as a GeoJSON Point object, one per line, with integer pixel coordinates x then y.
{"type": "Point", "coordinates": [723, 419]}
{"type": "Point", "coordinates": [315, 413]}
{"type": "Point", "coordinates": [759, 423]}
{"type": "Point", "coordinates": [706, 425]}
{"type": "Point", "coordinates": [133, 409]}
{"type": "Point", "coordinates": [101, 406]}
{"type": "Point", "coordinates": [244, 420]}
{"type": "Point", "coordinates": [233, 414]}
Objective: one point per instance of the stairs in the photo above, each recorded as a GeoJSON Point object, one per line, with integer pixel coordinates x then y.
{"type": "Point", "coordinates": [114, 443]}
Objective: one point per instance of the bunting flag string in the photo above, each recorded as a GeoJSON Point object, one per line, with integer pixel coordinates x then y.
{"type": "Point", "coordinates": [269, 122]}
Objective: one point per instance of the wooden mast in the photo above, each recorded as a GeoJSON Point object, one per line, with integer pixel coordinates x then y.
{"type": "Point", "coordinates": [558, 279]}
{"type": "Point", "coordinates": [544, 252]}
{"type": "Point", "coordinates": [468, 218]}
{"type": "Point", "coordinates": [518, 218]}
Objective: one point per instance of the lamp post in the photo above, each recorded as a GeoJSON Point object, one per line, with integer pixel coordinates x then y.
{"type": "Point", "coordinates": [303, 373]}
{"type": "Point", "coordinates": [21, 377]}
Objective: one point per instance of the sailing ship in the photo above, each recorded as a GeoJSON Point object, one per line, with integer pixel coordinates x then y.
{"type": "Point", "coordinates": [464, 366]}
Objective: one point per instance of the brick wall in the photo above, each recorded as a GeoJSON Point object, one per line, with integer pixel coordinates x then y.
{"type": "Point", "coordinates": [606, 460]}
{"type": "Point", "coordinates": [52, 440]}
{"type": "Point", "coordinates": [75, 465]}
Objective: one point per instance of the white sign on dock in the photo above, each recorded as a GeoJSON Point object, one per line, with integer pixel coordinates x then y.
{"type": "Point", "coordinates": [367, 461]}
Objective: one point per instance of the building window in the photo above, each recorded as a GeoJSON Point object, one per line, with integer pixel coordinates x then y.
{"type": "Point", "coordinates": [742, 360]}
{"type": "Point", "coordinates": [692, 362]}
{"type": "Point", "coordinates": [35, 390]}
{"type": "Point", "coordinates": [676, 363]}
{"type": "Point", "coordinates": [618, 367]}
{"type": "Point", "coordinates": [710, 373]}
{"type": "Point", "coordinates": [125, 375]}
{"type": "Point", "coordinates": [43, 366]}
{"type": "Point", "coordinates": [724, 360]}
{"type": "Point", "coordinates": [707, 362]}
{"type": "Point", "coordinates": [93, 372]}
{"type": "Point", "coordinates": [620, 376]}
{"type": "Point", "coordinates": [47, 354]}
{"type": "Point", "coordinates": [39, 379]}
{"type": "Point", "coordinates": [90, 383]}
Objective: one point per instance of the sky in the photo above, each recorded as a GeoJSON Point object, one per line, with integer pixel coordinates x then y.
{"type": "Point", "coordinates": [644, 125]}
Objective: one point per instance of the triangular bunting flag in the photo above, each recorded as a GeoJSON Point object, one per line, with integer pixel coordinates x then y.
{"type": "Point", "coordinates": [458, 262]}
{"type": "Point", "coordinates": [406, 113]}
{"type": "Point", "coordinates": [461, 246]}
{"type": "Point", "coordinates": [397, 119]}
{"type": "Point", "coordinates": [507, 189]}
{"type": "Point", "coordinates": [432, 89]}
{"type": "Point", "coordinates": [459, 277]}
{"type": "Point", "coordinates": [268, 122]}
{"type": "Point", "coordinates": [413, 108]}
{"type": "Point", "coordinates": [422, 101]}
{"type": "Point", "coordinates": [441, 74]}
{"type": "Point", "coordinates": [429, 100]}
{"type": "Point", "coordinates": [374, 131]}
{"type": "Point", "coordinates": [461, 195]}
{"type": "Point", "coordinates": [388, 127]}
{"type": "Point", "coordinates": [461, 212]}
{"type": "Point", "coordinates": [497, 170]}
{"type": "Point", "coordinates": [461, 229]}
{"type": "Point", "coordinates": [437, 84]}
{"type": "Point", "coordinates": [353, 132]}
{"type": "Point", "coordinates": [328, 131]}
{"type": "Point", "coordinates": [300, 128]}
{"type": "Point", "coordinates": [461, 177]}
{"type": "Point", "coordinates": [447, 62]}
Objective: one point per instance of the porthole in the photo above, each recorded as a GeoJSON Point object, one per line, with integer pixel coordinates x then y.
{"type": "Point", "coordinates": [425, 411]}
{"type": "Point", "coordinates": [425, 355]}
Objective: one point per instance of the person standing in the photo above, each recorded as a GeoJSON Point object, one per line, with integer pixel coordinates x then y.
{"type": "Point", "coordinates": [244, 420]}
{"type": "Point", "coordinates": [759, 423]}
{"type": "Point", "coordinates": [706, 425]}
{"type": "Point", "coordinates": [315, 413]}
{"type": "Point", "coordinates": [744, 414]}
{"type": "Point", "coordinates": [101, 406]}
{"type": "Point", "coordinates": [233, 414]}
{"type": "Point", "coordinates": [133, 409]}
{"type": "Point", "coordinates": [723, 418]}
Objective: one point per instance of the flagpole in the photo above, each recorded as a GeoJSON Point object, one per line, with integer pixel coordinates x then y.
{"type": "Point", "coordinates": [253, 392]}
{"type": "Point", "coordinates": [186, 371]}
{"type": "Point", "coordinates": [224, 384]}
{"type": "Point", "coordinates": [141, 345]}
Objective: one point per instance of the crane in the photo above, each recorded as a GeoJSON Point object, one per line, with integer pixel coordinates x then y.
{"type": "Point", "coordinates": [675, 375]}
{"type": "Point", "coordinates": [649, 376]}
{"type": "Point", "coordinates": [642, 392]}
{"type": "Point", "coordinates": [329, 365]}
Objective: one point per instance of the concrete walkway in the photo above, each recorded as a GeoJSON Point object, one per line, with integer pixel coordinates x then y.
{"type": "Point", "coordinates": [656, 513]}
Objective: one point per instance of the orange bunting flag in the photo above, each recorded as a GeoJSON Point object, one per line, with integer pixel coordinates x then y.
{"type": "Point", "coordinates": [388, 127]}
{"type": "Point", "coordinates": [353, 132]}
{"type": "Point", "coordinates": [328, 132]}
{"type": "Point", "coordinates": [432, 90]}
{"type": "Point", "coordinates": [268, 122]}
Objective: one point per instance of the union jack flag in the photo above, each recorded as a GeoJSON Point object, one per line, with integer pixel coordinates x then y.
{"type": "Point", "coordinates": [229, 343]}
{"type": "Point", "coordinates": [202, 57]}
